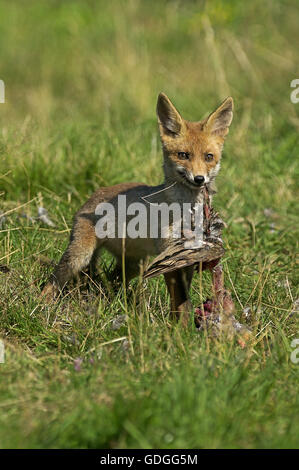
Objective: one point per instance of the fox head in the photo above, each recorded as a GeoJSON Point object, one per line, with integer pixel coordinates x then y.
{"type": "Point", "coordinates": [192, 150]}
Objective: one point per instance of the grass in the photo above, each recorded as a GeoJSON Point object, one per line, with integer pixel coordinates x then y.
{"type": "Point", "coordinates": [82, 79]}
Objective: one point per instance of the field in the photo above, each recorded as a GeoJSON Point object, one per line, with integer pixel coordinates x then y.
{"type": "Point", "coordinates": [81, 84]}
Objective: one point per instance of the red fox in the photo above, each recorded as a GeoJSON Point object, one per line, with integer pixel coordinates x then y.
{"type": "Point", "coordinates": [192, 153]}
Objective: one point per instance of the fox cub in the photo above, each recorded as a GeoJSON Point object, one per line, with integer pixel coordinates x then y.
{"type": "Point", "coordinates": [192, 154]}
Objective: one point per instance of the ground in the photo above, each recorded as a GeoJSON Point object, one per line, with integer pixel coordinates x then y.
{"type": "Point", "coordinates": [82, 79]}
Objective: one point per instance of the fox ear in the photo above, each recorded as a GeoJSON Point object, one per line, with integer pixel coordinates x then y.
{"type": "Point", "coordinates": [169, 118]}
{"type": "Point", "coordinates": [219, 121]}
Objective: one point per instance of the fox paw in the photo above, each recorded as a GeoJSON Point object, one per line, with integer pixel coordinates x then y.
{"type": "Point", "coordinates": [48, 293]}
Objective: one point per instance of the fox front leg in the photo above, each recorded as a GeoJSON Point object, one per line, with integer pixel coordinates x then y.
{"type": "Point", "coordinates": [178, 284]}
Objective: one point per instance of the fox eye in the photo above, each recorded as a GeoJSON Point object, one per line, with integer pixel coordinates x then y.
{"type": "Point", "coordinates": [184, 155]}
{"type": "Point", "coordinates": [209, 157]}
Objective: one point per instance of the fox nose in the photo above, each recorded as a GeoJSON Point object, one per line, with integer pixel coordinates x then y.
{"type": "Point", "coordinates": [199, 179]}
